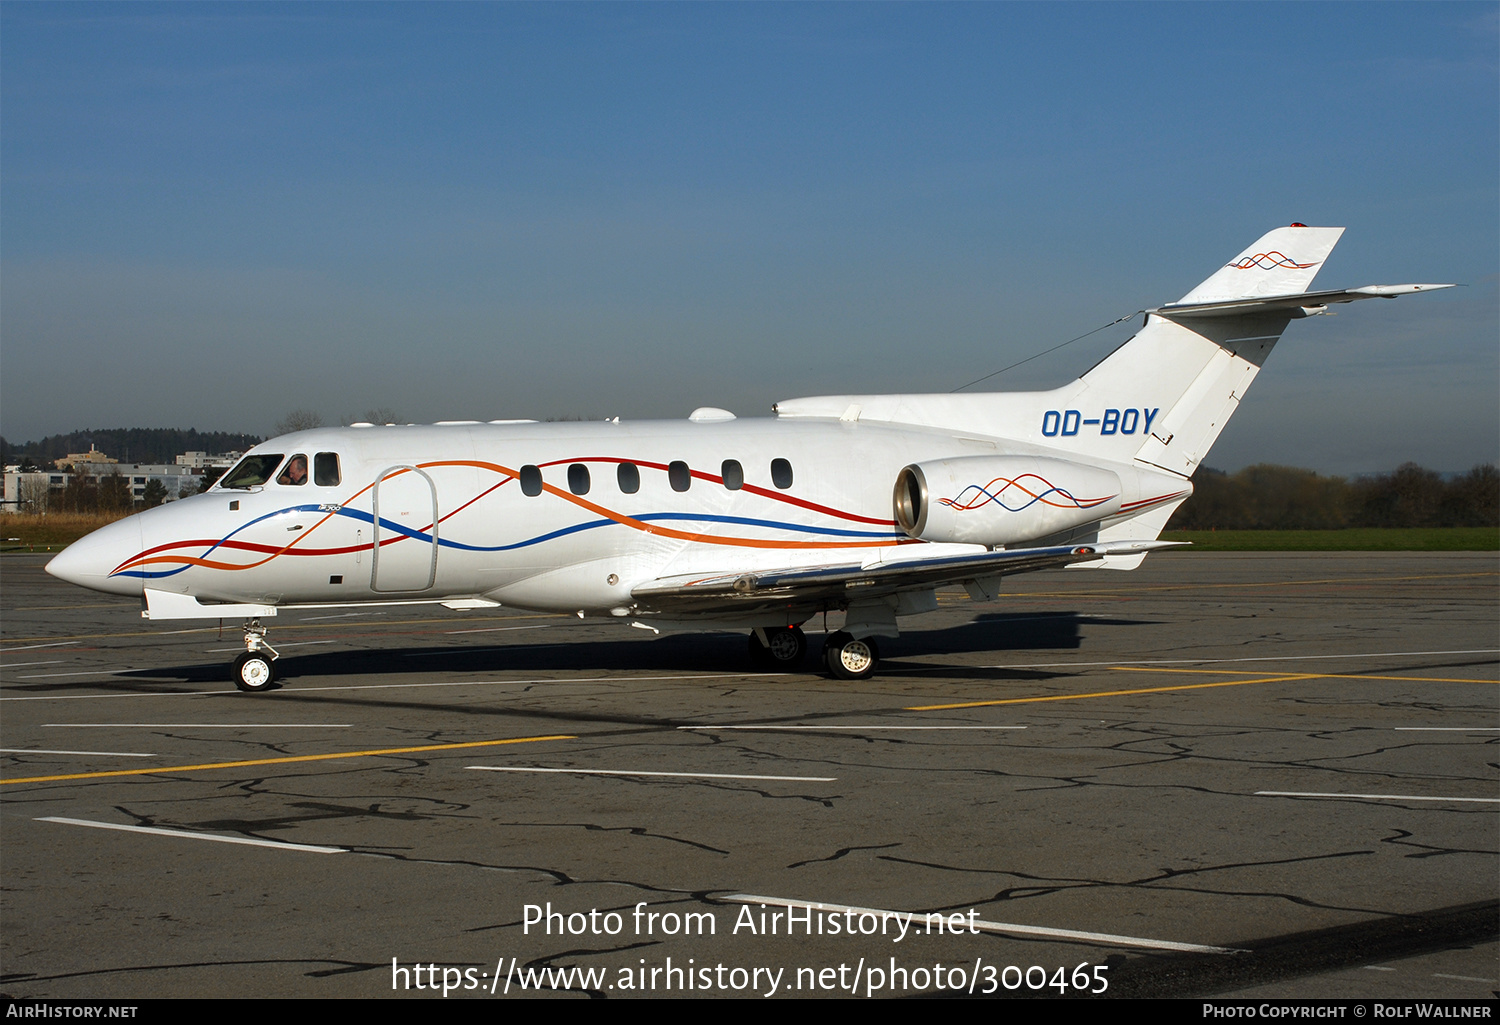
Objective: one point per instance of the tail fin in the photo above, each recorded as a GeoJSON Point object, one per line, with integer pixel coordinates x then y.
{"type": "Point", "coordinates": [1282, 262]}
{"type": "Point", "coordinates": [1186, 376]}
{"type": "Point", "coordinates": [1162, 398]}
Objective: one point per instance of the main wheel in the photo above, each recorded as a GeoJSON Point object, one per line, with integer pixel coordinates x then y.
{"type": "Point", "coordinates": [849, 659]}
{"type": "Point", "coordinates": [785, 648]}
{"type": "Point", "coordinates": [254, 672]}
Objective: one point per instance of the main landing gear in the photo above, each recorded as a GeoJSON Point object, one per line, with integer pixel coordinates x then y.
{"type": "Point", "coordinates": [255, 670]}
{"type": "Point", "coordinates": [784, 648]}
{"type": "Point", "coordinates": [850, 659]}
{"type": "Point", "coordinates": [778, 647]}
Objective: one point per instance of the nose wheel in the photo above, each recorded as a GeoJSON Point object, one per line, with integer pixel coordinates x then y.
{"type": "Point", "coordinates": [255, 671]}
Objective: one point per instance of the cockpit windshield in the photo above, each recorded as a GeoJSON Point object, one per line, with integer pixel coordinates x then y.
{"type": "Point", "coordinates": [251, 471]}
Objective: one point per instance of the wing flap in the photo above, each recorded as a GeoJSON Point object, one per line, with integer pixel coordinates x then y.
{"type": "Point", "coordinates": [821, 586]}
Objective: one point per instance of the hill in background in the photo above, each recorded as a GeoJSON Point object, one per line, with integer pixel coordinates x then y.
{"type": "Point", "coordinates": [128, 444]}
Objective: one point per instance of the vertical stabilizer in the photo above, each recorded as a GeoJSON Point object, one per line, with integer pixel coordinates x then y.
{"type": "Point", "coordinates": [1281, 262]}
{"type": "Point", "coordinates": [1161, 398]}
{"type": "Point", "coordinates": [1188, 374]}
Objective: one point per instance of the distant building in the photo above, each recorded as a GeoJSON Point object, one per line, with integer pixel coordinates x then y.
{"type": "Point", "coordinates": [28, 492]}
{"type": "Point", "coordinates": [202, 460]}
{"type": "Point", "coordinates": [92, 456]}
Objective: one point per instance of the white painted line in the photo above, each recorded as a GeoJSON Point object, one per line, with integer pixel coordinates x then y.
{"type": "Point", "coordinates": [479, 651]}
{"type": "Point", "coordinates": [42, 751]}
{"type": "Point", "coordinates": [293, 644]}
{"type": "Point", "coordinates": [528, 683]}
{"type": "Point", "coordinates": [203, 725]}
{"type": "Point", "coordinates": [48, 662]}
{"type": "Point", "coordinates": [221, 692]}
{"type": "Point", "coordinates": [861, 728]}
{"type": "Point", "coordinates": [342, 615]}
{"type": "Point", "coordinates": [623, 772]}
{"type": "Point", "coordinates": [91, 672]}
{"type": "Point", "coordinates": [1449, 729]}
{"type": "Point", "coordinates": [919, 919]}
{"type": "Point", "coordinates": [1461, 978]}
{"type": "Point", "coordinates": [184, 834]}
{"type": "Point", "coordinates": [29, 647]}
{"type": "Point", "coordinates": [500, 629]}
{"type": "Point", "coordinates": [1377, 797]}
{"type": "Point", "coordinates": [1377, 968]}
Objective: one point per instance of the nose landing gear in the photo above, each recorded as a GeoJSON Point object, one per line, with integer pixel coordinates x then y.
{"type": "Point", "coordinates": [255, 670]}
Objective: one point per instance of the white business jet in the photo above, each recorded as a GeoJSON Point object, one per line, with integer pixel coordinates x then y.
{"type": "Point", "coordinates": [858, 503]}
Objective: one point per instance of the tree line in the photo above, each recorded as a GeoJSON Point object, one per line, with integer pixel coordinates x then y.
{"type": "Point", "coordinates": [127, 444]}
{"type": "Point", "coordinates": [1259, 497]}
{"type": "Point", "coordinates": [1285, 498]}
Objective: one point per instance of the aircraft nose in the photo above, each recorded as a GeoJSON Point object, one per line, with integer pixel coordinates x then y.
{"type": "Point", "coordinates": [88, 561]}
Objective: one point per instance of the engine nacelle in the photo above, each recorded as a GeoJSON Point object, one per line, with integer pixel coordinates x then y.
{"type": "Point", "coordinates": [999, 500]}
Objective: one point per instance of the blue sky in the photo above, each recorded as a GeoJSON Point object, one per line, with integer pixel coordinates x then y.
{"type": "Point", "coordinates": [211, 215]}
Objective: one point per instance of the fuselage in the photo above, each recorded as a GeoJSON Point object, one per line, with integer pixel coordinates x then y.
{"type": "Point", "coordinates": [548, 516]}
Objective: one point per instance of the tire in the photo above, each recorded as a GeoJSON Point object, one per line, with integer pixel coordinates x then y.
{"type": "Point", "coordinates": [849, 659]}
{"type": "Point", "coordinates": [254, 673]}
{"type": "Point", "coordinates": [786, 649]}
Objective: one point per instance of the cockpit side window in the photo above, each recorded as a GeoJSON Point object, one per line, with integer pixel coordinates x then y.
{"type": "Point", "coordinates": [295, 472]}
{"type": "Point", "coordinates": [252, 471]}
{"type": "Point", "coordinates": [326, 469]}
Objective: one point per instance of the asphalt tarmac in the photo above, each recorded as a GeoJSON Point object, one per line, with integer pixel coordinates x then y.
{"type": "Point", "coordinates": [1243, 775]}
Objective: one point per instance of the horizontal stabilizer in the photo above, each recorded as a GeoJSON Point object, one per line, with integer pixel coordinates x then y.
{"type": "Point", "coordinates": [1301, 300]}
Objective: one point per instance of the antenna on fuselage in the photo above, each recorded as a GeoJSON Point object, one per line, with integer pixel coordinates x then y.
{"type": "Point", "coordinates": [1038, 355]}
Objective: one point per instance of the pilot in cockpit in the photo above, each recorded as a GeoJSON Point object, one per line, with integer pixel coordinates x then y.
{"type": "Point", "coordinates": [295, 472]}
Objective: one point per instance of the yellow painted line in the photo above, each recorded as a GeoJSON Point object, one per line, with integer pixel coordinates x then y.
{"type": "Point", "coordinates": [281, 761]}
{"type": "Point", "coordinates": [1234, 584]}
{"type": "Point", "coordinates": [1328, 676]}
{"type": "Point", "coordinates": [1284, 678]}
{"type": "Point", "coordinates": [63, 608]}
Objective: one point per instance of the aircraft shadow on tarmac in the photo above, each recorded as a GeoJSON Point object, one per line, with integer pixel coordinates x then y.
{"type": "Point", "coordinates": [551, 651]}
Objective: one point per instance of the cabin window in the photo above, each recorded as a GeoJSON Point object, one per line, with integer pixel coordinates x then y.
{"type": "Point", "coordinates": [679, 475]}
{"type": "Point", "coordinates": [733, 474]}
{"type": "Point", "coordinates": [531, 481]}
{"type": "Point", "coordinates": [578, 479]}
{"type": "Point", "coordinates": [781, 473]}
{"type": "Point", "coordinates": [326, 469]}
{"type": "Point", "coordinates": [252, 471]}
{"type": "Point", "coordinates": [629, 476]}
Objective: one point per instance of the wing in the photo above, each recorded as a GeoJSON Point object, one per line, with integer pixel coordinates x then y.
{"type": "Point", "coordinates": [820, 587]}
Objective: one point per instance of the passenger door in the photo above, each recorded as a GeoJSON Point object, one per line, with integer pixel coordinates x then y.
{"type": "Point", "coordinates": [405, 510]}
